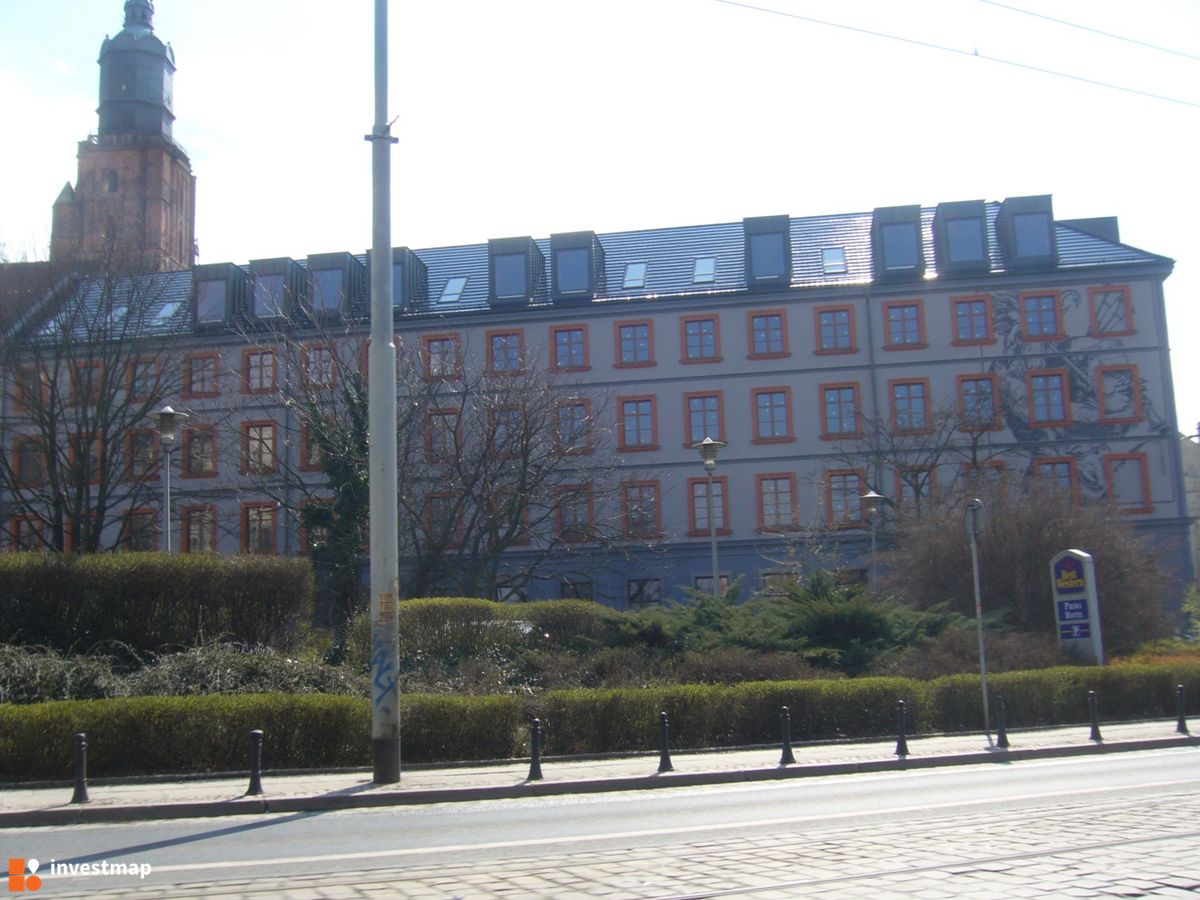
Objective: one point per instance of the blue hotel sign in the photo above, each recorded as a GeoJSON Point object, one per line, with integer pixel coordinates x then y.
{"type": "Point", "coordinates": [1076, 611]}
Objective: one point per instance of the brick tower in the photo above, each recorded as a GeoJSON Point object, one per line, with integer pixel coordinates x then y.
{"type": "Point", "coordinates": [135, 191]}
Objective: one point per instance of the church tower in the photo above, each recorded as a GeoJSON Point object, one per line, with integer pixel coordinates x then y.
{"type": "Point", "coordinates": [135, 189]}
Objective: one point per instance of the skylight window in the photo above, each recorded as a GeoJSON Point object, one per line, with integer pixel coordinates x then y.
{"type": "Point", "coordinates": [453, 290]}
{"type": "Point", "coordinates": [167, 311]}
{"type": "Point", "coordinates": [635, 275]}
{"type": "Point", "coordinates": [116, 315]}
{"type": "Point", "coordinates": [704, 270]}
{"type": "Point", "coordinates": [833, 260]}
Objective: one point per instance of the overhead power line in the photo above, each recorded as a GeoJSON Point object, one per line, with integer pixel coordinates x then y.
{"type": "Point", "coordinates": [1107, 34]}
{"type": "Point", "coordinates": [971, 53]}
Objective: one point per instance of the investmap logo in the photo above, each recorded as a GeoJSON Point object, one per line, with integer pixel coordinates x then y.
{"type": "Point", "coordinates": [23, 874]}
{"type": "Point", "coordinates": [18, 880]}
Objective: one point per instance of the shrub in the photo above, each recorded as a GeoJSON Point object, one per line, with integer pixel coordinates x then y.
{"type": "Point", "coordinates": [37, 675]}
{"type": "Point", "coordinates": [148, 602]}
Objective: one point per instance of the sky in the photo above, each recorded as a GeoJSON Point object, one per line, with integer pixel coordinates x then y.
{"type": "Point", "coordinates": [531, 117]}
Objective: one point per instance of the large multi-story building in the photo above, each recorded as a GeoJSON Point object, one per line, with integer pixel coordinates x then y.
{"type": "Point", "coordinates": [894, 351]}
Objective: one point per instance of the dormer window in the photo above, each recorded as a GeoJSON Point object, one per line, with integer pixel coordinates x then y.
{"type": "Point", "coordinates": [635, 275]}
{"type": "Point", "coordinates": [576, 266]}
{"type": "Point", "coordinates": [833, 260]}
{"type": "Point", "coordinates": [268, 296]}
{"type": "Point", "coordinates": [571, 270]}
{"type": "Point", "coordinates": [328, 290]}
{"type": "Point", "coordinates": [453, 290]}
{"type": "Point", "coordinates": [516, 271]}
{"type": "Point", "coordinates": [960, 237]}
{"type": "Point", "coordinates": [410, 279]}
{"type": "Point", "coordinates": [896, 242]}
{"type": "Point", "coordinates": [768, 251]}
{"type": "Point", "coordinates": [1026, 229]}
{"type": "Point", "coordinates": [210, 301]}
{"type": "Point", "coordinates": [704, 270]}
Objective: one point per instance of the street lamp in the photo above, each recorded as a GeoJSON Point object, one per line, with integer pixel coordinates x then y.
{"type": "Point", "coordinates": [167, 421]}
{"type": "Point", "coordinates": [708, 449]}
{"type": "Point", "coordinates": [871, 499]}
{"type": "Point", "coordinates": [973, 523]}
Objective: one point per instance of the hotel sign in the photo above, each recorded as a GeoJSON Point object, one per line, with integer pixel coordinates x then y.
{"type": "Point", "coordinates": [1076, 611]}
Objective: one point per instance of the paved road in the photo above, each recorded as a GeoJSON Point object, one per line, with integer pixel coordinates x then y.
{"type": "Point", "coordinates": [1128, 825]}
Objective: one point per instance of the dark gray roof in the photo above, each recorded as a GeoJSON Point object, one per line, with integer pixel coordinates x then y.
{"type": "Point", "coordinates": [669, 255]}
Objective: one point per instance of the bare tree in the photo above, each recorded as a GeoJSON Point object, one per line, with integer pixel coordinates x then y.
{"type": "Point", "coordinates": [81, 372]}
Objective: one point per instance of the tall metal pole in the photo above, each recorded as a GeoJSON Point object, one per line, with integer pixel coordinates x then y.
{"type": "Point", "coordinates": [974, 525]}
{"type": "Point", "coordinates": [712, 532]}
{"type": "Point", "coordinates": [168, 495]}
{"type": "Point", "coordinates": [381, 370]}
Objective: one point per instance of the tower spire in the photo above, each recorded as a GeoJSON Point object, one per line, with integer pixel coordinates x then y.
{"type": "Point", "coordinates": [139, 14]}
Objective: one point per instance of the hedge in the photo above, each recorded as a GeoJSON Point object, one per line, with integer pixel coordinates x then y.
{"type": "Point", "coordinates": [142, 735]}
{"type": "Point", "coordinates": [149, 602]}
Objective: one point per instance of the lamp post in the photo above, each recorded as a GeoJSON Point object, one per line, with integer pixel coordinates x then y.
{"type": "Point", "coordinates": [708, 449]}
{"type": "Point", "coordinates": [973, 523]}
{"type": "Point", "coordinates": [871, 499]}
{"type": "Point", "coordinates": [167, 421]}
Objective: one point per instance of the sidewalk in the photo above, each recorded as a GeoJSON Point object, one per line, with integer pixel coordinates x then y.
{"type": "Point", "coordinates": [188, 798]}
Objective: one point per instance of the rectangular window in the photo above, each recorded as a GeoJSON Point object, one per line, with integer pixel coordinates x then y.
{"type": "Point", "coordinates": [910, 405]}
{"type": "Point", "coordinates": [704, 417]}
{"type": "Point", "coordinates": [1049, 401]}
{"type": "Point", "coordinates": [901, 245]}
{"type": "Point", "coordinates": [1119, 393]}
{"type": "Point", "coordinates": [27, 534]}
{"type": "Point", "coordinates": [1031, 232]}
{"type": "Point", "coordinates": [1111, 311]}
{"type": "Point", "coordinates": [776, 502]}
{"type": "Point", "coordinates": [698, 502]}
{"type": "Point", "coordinates": [772, 414]}
{"type": "Point", "coordinates": [768, 255]}
{"type": "Point", "coordinates": [843, 497]}
{"type": "Point", "coordinates": [965, 240]}
{"type": "Point", "coordinates": [1041, 315]}
{"type": "Point", "coordinates": [704, 270]}
{"type": "Point", "coordinates": [569, 347]}
{"type": "Point", "coordinates": [453, 290]}
{"type": "Point", "coordinates": [87, 380]}
{"type": "Point", "coordinates": [839, 411]}
{"type": "Point", "coordinates": [327, 290]}
{"type": "Point", "coordinates": [31, 387]}
{"type": "Point", "coordinates": [508, 274]}
{"type": "Point", "coordinates": [977, 402]}
{"type": "Point", "coordinates": [258, 371]}
{"type": "Point", "coordinates": [200, 375]}
{"type": "Point", "coordinates": [1058, 472]}
{"type": "Point", "coordinates": [317, 365]}
{"type": "Point", "coordinates": [640, 509]}
{"type": "Point", "coordinates": [575, 589]}
{"type": "Point", "coordinates": [573, 512]}
{"type": "Point", "coordinates": [768, 335]}
{"type": "Point", "coordinates": [442, 518]}
{"type": "Point", "coordinates": [198, 529]}
{"type": "Point", "coordinates": [635, 275]}
{"type": "Point", "coordinates": [143, 378]}
{"type": "Point", "coordinates": [701, 339]}
{"type": "Point", "coordinates": [310, 449]}
{"type": "Point", "coordinates": [258, 448]}
{"type": "Point", "coordinates": [141, 452]}
{"type": "Point", "coordinates": [29, 461]}
{"type": "Point", "coordinates": [913, 484]}
{"type": "Point", "coordinates": [199, 454]}
{"type": "Point", "coordinates": [84, 452]}
{"type": "Point", "coordinates": [573, 426]}
{"type": "Point", "coordinates": [643, 592]}
{"type": "Point", "coordinates": [635, 344]}
{"type": "Point", "coordinates": [139, 530]}
{"type": "Point", "coordinates": [506, 432]}
{"type": "Point", "coordinates": [904, 325]}
{"type": "Point", "coordinates": [268, 296]}
{"type": "Point", "coordinates": [833, 260]}
{"type": "Point", "coordinates": [1127, 478]}
{"type": "Point", "coordinates": [571, 270]}
{"type": "Point", "coordinates": [972, 320]}
{"type": "Point", "coordinates": [506, 352]}
{"type": "Point", "coordinates": [258, 528]}
{"type": "Point", "coordinates": [441, 435]}
{"type": "Point", "coordinates": [210, 301]}
{"type": "Point", "coordinates": [441, 356]}
{"type": "Point", "coordinates": [835, 329]}
{"type": "Point", "coordinates": [639, 430]}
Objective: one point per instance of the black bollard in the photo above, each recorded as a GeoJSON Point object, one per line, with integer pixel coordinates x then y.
{"type": "Point", "coordinates": [902, 729]}
{"type": "Point", "coordinates": [81, 793]}
{"type": "Point", "coordinates": [256, 741]}
{"type": "Point", "coordinates": [785, 727]}
{"type": "Point", "coordinates": [535, 752]}
{"type": "Point", "coordinates": [664, 744]}
{"type": "Point", "coordinates": [1181, 709]}
{"type": "Point", "coordinates": [1094, 710]}
{"type": "Point", "coordinates": [1001, 722]}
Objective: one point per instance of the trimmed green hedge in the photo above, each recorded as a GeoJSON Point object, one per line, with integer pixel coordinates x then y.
{"type": "Point", "coordinates": [152, 601]}
{"type": "Point", "coordinates": [141, 735]}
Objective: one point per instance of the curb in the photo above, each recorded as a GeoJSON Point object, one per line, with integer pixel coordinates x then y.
{"type": "Point", "coordinates": [73, 815]}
